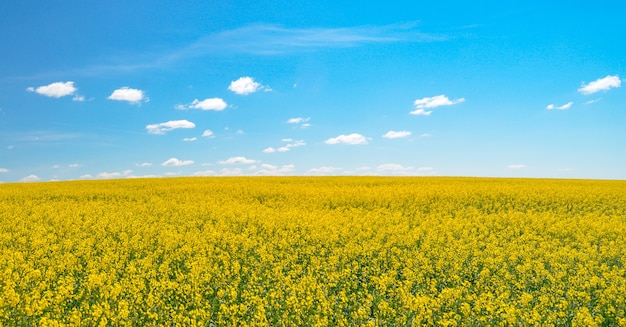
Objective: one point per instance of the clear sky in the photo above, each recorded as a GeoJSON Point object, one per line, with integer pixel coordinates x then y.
{"type": "Point", "coordinates": [115, 89]}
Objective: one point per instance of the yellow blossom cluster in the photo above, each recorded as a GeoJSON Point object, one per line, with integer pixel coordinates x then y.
{"type": "Point", "coordinates": [313, 251]}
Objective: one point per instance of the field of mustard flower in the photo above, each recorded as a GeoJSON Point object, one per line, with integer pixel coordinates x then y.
{"type": "Point", "coordinates": [313, 251]}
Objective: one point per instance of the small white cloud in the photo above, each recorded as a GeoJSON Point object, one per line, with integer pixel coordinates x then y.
{"type": "Point", "coordinates": [420, 112]}
{"type": "Point", "coordinates": [30, 178]}
{"type": "Point", "coordinates": [283, 149]}
{"type": "Point", "coordinates": [231, 171]}
{"type": "Point", "coordinates": [593, 101]}
{"type": "Point", "coordinates": [208, 133]}
{"type": "Point", "coordinates": [86, 176]}
{"type": "Point", "coordinates": [433, 102]}
{"type": "Point", "coordinates": [55, 90]}
{"type": "Point", "coordinates": [298, 120]}
{"type": "Point", "coordinates": [517, 166]}
{"type": "Point", "coordinates": [106, 175]}
{"type": "Point", "coordinates": [566, 106]}
{"type": "Point", "coordinates": [127, 94]}
{"type": "Point", "coordinates": [237, 161]}
{"type": "Point", "coordinates": [601, 84]}
{"type": "Point", "coordinates": [269, 150]}
{"type": "Point", "coordinates": [351, 139]}
{"type": "Point", "coordinates": [74, 165]}
{"type": "Point", "coordinates": [426, 135]}
{"type": "Point", "coordinates": [323, 170]}
{"type": "Point", "coordinates": [396, 134]}
{"type": "Point", "coordinates": [305, 125]}
{"type": "Point", "coordinates": [144, 164]}
{"type": "Point", "coordinates": [392, 167]}
{"type": "Point", "coordinates": [246, 85]}
{"type": "Point", "coordinates": [562, 107]}
{"type": "Point", "coordinates": [56, 166]}
{"type": "Point", "coordinates": [4, 170]}
{"type": "Point", "coordinates": [273, 170]}
{"type": "Point", "coordinates": [162, 128]}
{"type": "Point", "coordinates": [240, 132]}
{"type": "Point", "coordinates": [216, 104]}
{"type": "Point", "coordinates": [174, 162]}
{"type": "Point", "coordinates": [78, 98]}
{"type": "Point", "coordinates": [190, 139]}
{"type": "Point", "coordinates": [204, 173]}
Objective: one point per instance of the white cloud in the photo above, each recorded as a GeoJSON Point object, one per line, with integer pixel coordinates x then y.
{"type": "Point", "coordinates": [174, 162]}
{"type": "Point", "coordinates": [246, 85]}
{"type": "Point", "coordinates": [4, 170]}
{"type": "Point", "coordinates": [86, 176]}
{"type": "Point", "coordinates": [162, 128]}
{"type": "Point", "coordinates": [106, 175]}
{"type": "Point", "coordinates": [74, 165]}
{"type": "Point", "coordinates": [144, 164]}
{"type": "Point", "coordinates": [562, 107]}
{"type": "Point", "coordinates": [306, 125]}
{"type": "Point", "coordinates": [517, 166]}
{"type": "Point", "coordinates": [237, 161]}
{"type": "Point", "coordinates": [230, 171]}
{"type": "Point", "coordinates": [204, 173]}
{"type": "Point", "coordinates": [298, 120]}
{"type": "Point", "coordinates": [30, 178]}
{"type": "Point", "coordinates": [287, 147]}
{"type": "Point", "coordinates": [601, 84]}
{"type": "Point", "coordinates": [432, 102]}
{"type": "Point", "coordinates": [420, 112]}
{"type": "Point", "coordinates": [217, 104]}
{"type": "Point", "coordinates": [190, 139]}
{"type": "Point", "coordinates": [208, 133]}
{"type": "Point", "coordinates": [396, 134]}
{"type": "Point", "coordinates": [127, 94]}
{"type": "Point", "coordinates": [78, 98]}
{"type": "Point", "coordinates": [266, 169]}
{"type": "Point", "coordinates": [323, 170]}
{"type": "Point", "coordinates": [593, 101]}
{"type": "Point", "coordinates": [391, 167]}
{"type": "Point", "coordinates": [55, 90]}
{"type": "Point", "coordinates": [426, 135]}
{"type": "Point", "coordinates": [352, 139]}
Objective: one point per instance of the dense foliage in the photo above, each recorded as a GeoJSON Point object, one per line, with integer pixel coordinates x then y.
{"type": "Point", "coordinates": [307, 251]}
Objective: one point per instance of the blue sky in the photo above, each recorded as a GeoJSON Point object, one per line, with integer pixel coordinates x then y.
{"type": "Point", "coordinates": [116, 89]}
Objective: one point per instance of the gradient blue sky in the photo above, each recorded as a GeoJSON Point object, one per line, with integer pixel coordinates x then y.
{"type": "Point", "coordinates": [112, 89]}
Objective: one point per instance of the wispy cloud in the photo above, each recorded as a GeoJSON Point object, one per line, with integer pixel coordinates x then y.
{"type": "Point", "coordinates": [261, 39]}
{"type": "Point", "coordinates": [323, 170]}
{"type": "Point", "coordinates": [562, 107]}
{"type": "Point", "coordinates": [208, 133]}
{"type": "Point", "coordinates": [267, 39]}
{"type": "Point", "coordinates": [351, 139]}
{"type": "Point", "coordinates": [162, 128]}
{"type": "Point", "coordinates": [4, 170]}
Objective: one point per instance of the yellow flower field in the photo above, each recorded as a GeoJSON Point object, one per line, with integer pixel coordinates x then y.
{"type": "Point", "coordinates": [313, 251]}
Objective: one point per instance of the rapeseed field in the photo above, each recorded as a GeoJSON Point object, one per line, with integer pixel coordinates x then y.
{"type": "Point", "coordinates": [313, 251]}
